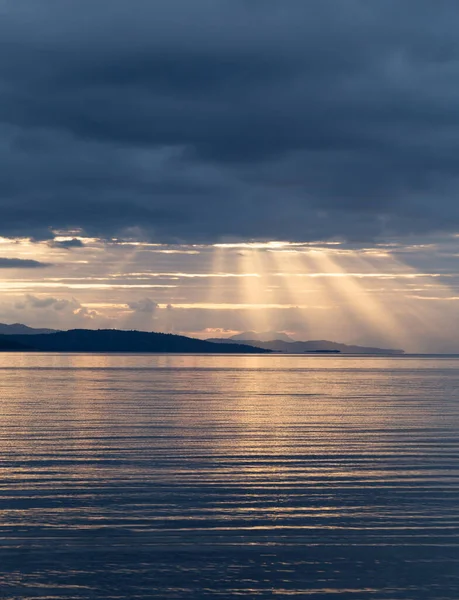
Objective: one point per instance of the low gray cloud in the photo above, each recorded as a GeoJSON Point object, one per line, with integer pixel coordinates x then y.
{"type": "Point", "coordinates": [22, 263]}
{"type": "Point", "coordinates": [178, 121]}
{"type": "Point", "coordinates": [43, 302]}
{"type": "Point", "coordinates": [145, 305]}
{"type": "Point", "coordinates": [86, 313]}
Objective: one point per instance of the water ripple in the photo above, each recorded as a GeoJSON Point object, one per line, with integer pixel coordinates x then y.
{"type": "Point", "coordinates": [126, 477]}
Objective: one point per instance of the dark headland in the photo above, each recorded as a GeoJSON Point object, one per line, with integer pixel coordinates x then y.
{"type": "Point", "coordinates": [114, 340]}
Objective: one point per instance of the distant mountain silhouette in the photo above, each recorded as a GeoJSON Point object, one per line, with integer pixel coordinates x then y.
{"type": "Point", "coordinates": [114, 340]}
{"type": "Point", "coordinates": [264, 336]}
{"type": "Point", "coordinates": [20, 329]}
{"type": "Point", "coordinates": [310, 346]}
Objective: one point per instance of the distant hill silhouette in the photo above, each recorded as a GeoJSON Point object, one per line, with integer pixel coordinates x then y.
{"type": "Point", "coordinates": [114, 340]}
{"type": "Point", "coordinates": [310, 346]}
{"type": "Point", "coordinates": [20, 329]}
{"type": "Point", "coordinates": [264, 336]}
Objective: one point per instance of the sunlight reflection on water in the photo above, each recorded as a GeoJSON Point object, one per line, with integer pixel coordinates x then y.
{"type": "Point", "coordinates": [224, 476]}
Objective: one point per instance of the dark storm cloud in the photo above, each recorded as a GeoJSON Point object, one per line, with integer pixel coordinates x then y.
{"type": "Point", "coordinates": [21, 263]}
{"type": "Point", "coordinates": [215, 119]}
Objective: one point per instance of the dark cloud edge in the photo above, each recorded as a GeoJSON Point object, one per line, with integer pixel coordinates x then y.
{"type": "Point", "coordinates": [22, 263]}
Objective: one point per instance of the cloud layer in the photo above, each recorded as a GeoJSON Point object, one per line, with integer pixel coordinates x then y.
{"type": "Point", "coordinates": [216, 119]}
{"type": "Point", "coordinates": [21, 263]}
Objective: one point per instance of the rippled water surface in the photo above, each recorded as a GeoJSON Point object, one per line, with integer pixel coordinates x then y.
{"type": "Point", "coordinates": [128, 477]}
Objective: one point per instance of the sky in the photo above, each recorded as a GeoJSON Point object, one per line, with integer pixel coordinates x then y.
{"type": "Point", "coordinates": [213, 166]}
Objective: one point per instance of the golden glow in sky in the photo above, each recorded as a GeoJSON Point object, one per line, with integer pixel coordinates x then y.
{"type": "Point", "coordinates": [377, 295]}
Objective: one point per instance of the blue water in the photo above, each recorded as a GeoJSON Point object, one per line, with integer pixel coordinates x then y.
{"type": "Point", "coordinates": [128, 477]}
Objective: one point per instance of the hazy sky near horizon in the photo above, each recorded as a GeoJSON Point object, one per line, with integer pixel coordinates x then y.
{"type": "Point", "coordinates": [151, 153]}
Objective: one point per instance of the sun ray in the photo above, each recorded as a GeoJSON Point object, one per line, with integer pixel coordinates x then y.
{"type": "Point", "coordinates": [254, 288]}
{"type": "Point", "coordinates": [423, 319]}
{"type": "Point", "coordinates": [363, 305]}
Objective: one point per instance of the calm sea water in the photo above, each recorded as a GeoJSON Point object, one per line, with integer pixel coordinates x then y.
{"type": "Point", "coordinates": [128, 477]}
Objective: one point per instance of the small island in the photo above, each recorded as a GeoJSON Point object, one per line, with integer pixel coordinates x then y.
{"type": "Point", "coordinates": [322, 352]}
